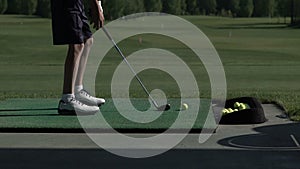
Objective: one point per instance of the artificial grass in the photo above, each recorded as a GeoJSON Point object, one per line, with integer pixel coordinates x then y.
{"type": "Point", "coordinates": [35, 114]}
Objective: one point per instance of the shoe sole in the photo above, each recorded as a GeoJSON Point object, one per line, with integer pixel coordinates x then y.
{"type": "Point", "coordinates": [101, 104]}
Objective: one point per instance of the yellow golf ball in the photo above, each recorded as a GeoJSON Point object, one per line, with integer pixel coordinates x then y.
{"type": "Point", "coordinates": [237, 105]}
{"type": "Point", "coordinates": [243, 106]}
{"type": "Point", "coordinates": [225, 111]}
{"type": "Point", "coordinates": [185, 106]}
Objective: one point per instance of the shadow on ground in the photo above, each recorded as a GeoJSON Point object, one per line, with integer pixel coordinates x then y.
{"type": "Point", "coordinates": [20, 112]}
{"type": "Point", "coordinates": [273, 137]}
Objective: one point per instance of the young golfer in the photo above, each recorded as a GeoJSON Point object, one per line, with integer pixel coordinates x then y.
{"type": "Point", "coordinates": [70, 27]}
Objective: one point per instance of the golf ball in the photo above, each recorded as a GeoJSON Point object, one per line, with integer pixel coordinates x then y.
{"type": "Point", "coordinates": [185, 106]}
{"type": "Point", "coordinates": [237, 104]}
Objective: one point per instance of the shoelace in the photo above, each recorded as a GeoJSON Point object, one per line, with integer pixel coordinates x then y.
{"type": "Point", "coordinates": [76, 101]}
{"type": "Point", "coordinates": [85, 93]}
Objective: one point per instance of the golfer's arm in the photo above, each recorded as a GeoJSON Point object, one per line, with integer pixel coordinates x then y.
{"type": "Point", "coordinates": [97, 4]}
{"type": "Point", "coordinates": [100, 6]}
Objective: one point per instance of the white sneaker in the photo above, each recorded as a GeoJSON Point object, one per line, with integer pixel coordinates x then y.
{"type": "Point", "coordinates": [84, 97]}
{"type": "Point", "coordinates": [74, 107]}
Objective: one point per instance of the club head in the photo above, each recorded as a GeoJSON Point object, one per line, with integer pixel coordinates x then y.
{"type": "Point", "coordinates": [164, 107]}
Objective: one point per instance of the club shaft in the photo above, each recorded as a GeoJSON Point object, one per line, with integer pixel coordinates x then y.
{"type": "Point", "coordinates": [130, 67]}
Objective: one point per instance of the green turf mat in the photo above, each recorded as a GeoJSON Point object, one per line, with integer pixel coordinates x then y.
{"type": "Point", "coordinates": [42, 114]}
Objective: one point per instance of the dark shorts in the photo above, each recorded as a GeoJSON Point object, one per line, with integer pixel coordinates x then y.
{"type": "Point", "coordinates": [69, 22]}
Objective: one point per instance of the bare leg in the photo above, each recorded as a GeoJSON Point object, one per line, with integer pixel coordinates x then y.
{"type": "Point", "coordinates": [68, 104]}
{"type": "Point", "coordinates": [83, 61]}
{"type": "Point", "coordinates": [71, 67]}
{"type": "Point", "coordinates": [80, 94]}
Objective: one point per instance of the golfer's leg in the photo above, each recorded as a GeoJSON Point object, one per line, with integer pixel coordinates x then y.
{"type": "Point", "coordinates": [83, 61]}
{"type": "Point", "coordinates": [71, 67]}
{"type": "Point", "coordinates": [69, 105]}
{"type": "Point", "coordinates": [81, 94]}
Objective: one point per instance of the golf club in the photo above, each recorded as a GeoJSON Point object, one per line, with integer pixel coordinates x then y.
{"type": "Point", "coordinates": [160, 108]}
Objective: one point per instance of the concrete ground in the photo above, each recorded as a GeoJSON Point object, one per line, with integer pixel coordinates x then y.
{"type": "Point", "coordinates": [274, 145]}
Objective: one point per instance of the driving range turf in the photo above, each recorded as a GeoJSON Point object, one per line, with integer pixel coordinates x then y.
{"type": "Point", "coordinates": [260, 57]}
{"type": "Point", "coordinates": [40, 115]}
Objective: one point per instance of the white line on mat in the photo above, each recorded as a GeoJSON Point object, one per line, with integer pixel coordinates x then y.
{"type": "Point", "coordinates": [295, 140]}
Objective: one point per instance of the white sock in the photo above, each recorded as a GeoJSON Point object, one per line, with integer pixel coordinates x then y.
{"type": "Point", "coordinates": [67, 97]}
{"type": "Point", "coordinates": [78, 88]}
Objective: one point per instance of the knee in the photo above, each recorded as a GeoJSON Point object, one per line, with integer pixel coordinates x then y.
{"type": "Point", "coordinates": [75, 49]}
{"type": "Point", "coordinates": [89, 42]}
{"type": "Point", "coordinates": [80, 47]}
